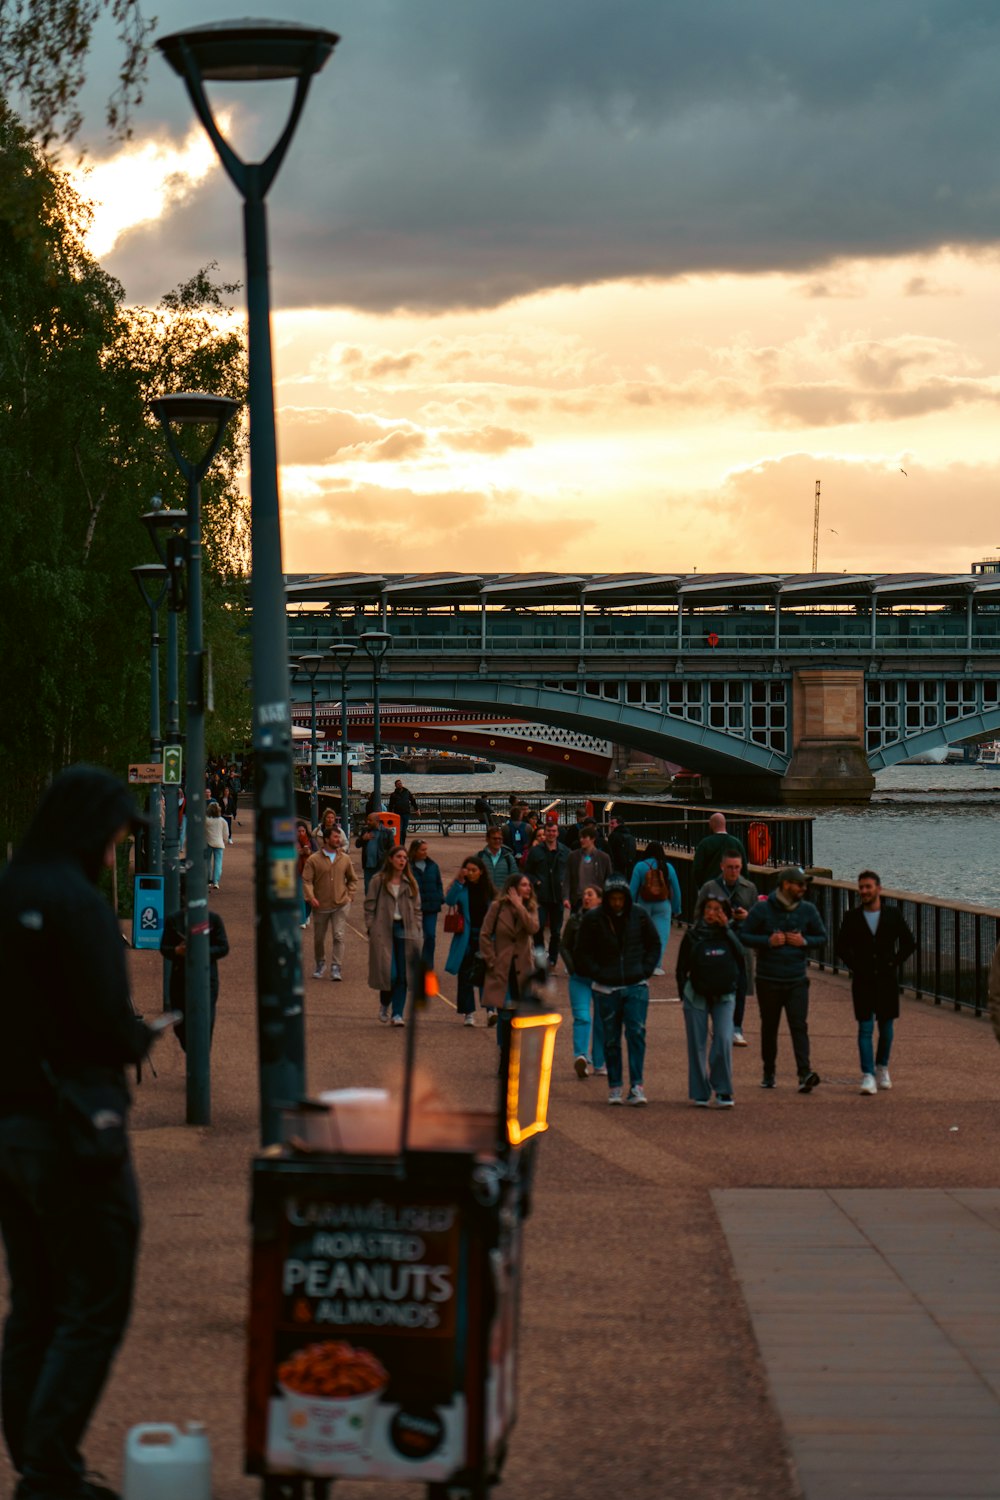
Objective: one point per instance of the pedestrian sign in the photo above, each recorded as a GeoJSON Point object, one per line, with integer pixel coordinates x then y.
{"type": "Point", "coordinates": [172, 765]}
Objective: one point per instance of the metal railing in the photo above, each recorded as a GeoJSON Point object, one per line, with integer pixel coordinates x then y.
{"type": "Point", "coordinates": [707, 639]}
{"type": "Point", "coordinates": [770, 839]}
{"type": "Point", "coordinates": [955, 942]}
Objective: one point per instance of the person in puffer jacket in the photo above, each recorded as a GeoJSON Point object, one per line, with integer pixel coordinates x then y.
{"type": "Point", "coordinates": [617, 949]}
{"type": "Point", "coordinates": [781, 931]}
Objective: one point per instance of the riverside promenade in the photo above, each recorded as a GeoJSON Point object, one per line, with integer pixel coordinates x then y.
{"type": "Point", "coordinates": [797, 1297]}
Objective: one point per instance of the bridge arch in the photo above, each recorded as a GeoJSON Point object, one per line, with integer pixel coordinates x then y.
{"type": "Point", "coordinates": [932, 739]}
{"type": "Point", "coordinates": [638, 728]}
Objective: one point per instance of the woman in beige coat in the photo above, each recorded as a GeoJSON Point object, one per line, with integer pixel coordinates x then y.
{"type": "Point", "coordinates": [506, 944]}
{"type": "Point", "coordinates": [395, 935]}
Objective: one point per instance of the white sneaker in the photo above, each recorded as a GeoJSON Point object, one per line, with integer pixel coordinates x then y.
{"type": "Point", "coordinates": [739, 1040]}
{"type": "Point", "coordinates": [659, 971]}
{"type": "Point", "coordinates": [319, 971]}
{"type": "Point", "coordinates": [470, 1020]}
{"type": "Point", "coordinates": [335, 972]}
{"type": "Point", "coordinates": [580, 1065]}
{"type": "Point", "coordinates": [383, 1014]}
{"type": "Point", "coordinates": [614, 1096]}
{"type": "Point", "coordinates": [398, 1021]}
{"type": "Point", "coordinates": [637, 1095]}
{"type": "Point", "coordinates": [882, 1078]}
{"type": "Point", "coordinates": [868, 1084]}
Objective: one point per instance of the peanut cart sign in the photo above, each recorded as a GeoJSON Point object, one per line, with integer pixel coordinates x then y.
{"type": "Point", "coordinates": [355, 1367]}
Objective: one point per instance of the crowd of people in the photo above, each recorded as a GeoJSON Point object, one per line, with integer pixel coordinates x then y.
{"type": "Point", "coordinates": [604, 909]}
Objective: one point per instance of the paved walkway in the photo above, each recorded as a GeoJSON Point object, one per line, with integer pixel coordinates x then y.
{"type": "Point", "coordinates": [877, 1313]}
{"type": "Point", "coordinates": [647, 1369]}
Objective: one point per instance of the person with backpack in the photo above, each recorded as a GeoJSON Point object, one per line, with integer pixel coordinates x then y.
{"type": "Point", "coordinates": [708, 970]}
{"type": "Point", "coordinates": [656, 890]}
{"type": "Point", "coordinates": [622, 848]}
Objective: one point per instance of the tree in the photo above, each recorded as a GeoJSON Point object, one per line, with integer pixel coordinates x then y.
{"type": "Point", "coordinates": [80, 458]}
{"type": "Point", "coordinates": [44, 46]}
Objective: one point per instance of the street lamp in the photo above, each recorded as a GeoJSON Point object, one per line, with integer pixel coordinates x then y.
{"type": "Point", "coordinates": [195, 409]}
{"type": "Point", "coordinates": [166, 529]}
{"type": "Point", "coordinates": [310, 663]}
{"type": "Point", "coordinates": [376, 643]}
{"type": "Point", "coordinates": [240, 52]}
{"type": "Point", "coordinates": [151, 581]}
{"type": "Point", "coordinates": [342, 654]}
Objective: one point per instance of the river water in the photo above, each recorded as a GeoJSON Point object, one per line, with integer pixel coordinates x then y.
{"type": "Point", "coordinates": [930, 829]}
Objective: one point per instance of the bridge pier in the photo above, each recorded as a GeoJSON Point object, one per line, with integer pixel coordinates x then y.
{"type": "Point", "coordinates": [828, 761]}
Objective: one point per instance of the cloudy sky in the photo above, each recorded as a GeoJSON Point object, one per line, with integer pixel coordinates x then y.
{"type": "Point", "coordinates": [609, 284]}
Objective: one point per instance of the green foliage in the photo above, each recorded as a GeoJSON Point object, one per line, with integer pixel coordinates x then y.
{"type": "Point", "coordinates": [43, 53]}
{"type": "Point", "coordinates": [80, 458]}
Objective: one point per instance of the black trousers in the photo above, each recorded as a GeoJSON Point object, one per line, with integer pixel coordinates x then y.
{"type": "Point", "coordinates": [793, 999]}
{"type": "Point", "coordinates": [71, 1241]}
{"type": "Point", "coordinates": [550, 915]}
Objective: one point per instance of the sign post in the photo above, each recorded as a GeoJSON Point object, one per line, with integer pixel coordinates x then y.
{"type": "Point", "coordinates": [173, 765]}
{"type": "Point", "coordinates": [147, 911]}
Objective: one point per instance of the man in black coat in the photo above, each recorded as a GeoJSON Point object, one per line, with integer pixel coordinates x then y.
{"type": "Point", "coordinates": [547, 863]}
{"type": "Point", "coordinates": [70, 1226]}
{"type": "Point", "coordinates": [874, 942]}
{"type": "Point", "coordinates": [617, 949]}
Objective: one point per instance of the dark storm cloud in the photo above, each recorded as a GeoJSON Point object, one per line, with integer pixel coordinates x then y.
{"type": "Point", "coordinates": [459, 154]}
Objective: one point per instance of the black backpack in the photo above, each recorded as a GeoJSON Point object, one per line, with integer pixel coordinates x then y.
{"type": "Point", "coordinates": [713, 964]}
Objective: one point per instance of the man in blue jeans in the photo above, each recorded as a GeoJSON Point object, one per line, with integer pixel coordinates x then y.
{"type": "Point", "coordinates": [782, 930]}
{"type": "Point", "coordinates": [617, 949]}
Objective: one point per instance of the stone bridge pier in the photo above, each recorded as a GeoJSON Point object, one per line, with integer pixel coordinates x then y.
{"type": "Point", "coordinates": [828, 762]}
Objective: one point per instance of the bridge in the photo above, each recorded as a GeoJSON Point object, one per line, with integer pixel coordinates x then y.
{"type": "Point", "coordinates": [565, 754]}
{"type": "Point", "coordinates": [790, 687]}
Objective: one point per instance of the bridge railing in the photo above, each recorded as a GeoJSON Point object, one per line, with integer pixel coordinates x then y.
{"type": "Point", "coordinates": [955, 942]}
{"type": "Point", "coordinates": [771, 839]}
{"type": "Point", "coordinates": [707, 638]}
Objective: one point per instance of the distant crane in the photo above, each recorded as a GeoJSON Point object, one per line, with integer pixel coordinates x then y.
{"type": "Point", "coordinates": [816, 530]}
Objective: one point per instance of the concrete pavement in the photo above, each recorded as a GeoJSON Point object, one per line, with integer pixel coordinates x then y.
{"type": "Point", "coordinates": [645, 1317]}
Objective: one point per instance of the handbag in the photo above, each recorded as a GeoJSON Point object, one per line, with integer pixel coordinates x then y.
{"type": "Point", "coordinates": [454, 921]}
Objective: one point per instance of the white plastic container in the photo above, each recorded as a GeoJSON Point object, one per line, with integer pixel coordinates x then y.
{"type": "Point", "coordinates": [164, 1462]}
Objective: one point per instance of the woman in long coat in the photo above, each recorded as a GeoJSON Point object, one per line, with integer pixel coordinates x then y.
{"type": "Point", "coordinates": [506, 943]}
{"type": "Point", "coordinates": [395, 935]}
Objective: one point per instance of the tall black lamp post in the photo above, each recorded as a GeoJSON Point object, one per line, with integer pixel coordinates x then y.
{"type": "Point", "coordinates": [197, 409]}
{"type": "Point", "coordinates": [376, 643]}
{"type": "Point", "coordinates": [236, 52]}
{"type": "Point", "coordinates": [310, 664]}
{"type": "Point", "coordinates": [166, 529]}
{"type": "Point", "coordinates": [341, 654]}
{"type": "Point", "coordinates": [151, 580]}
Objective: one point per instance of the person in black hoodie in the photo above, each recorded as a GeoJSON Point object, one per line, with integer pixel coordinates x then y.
{"type": "Point", "coordinates": [617, 949]}
{"type": "Point", "coordinates": [71, 1234]}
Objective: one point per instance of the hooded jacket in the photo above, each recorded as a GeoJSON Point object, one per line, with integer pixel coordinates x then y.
{"type": "Point", "coordinates": [65, 996]}
{"type": "Point", "coordinates": [616, 951]}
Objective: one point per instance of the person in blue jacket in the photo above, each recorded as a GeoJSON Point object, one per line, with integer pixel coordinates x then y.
{"type": "Point", "coordinates": [471, 892]}
{"type": "Point", "coordinates": [655, 889]}
{"type": "Point", "coordinates": [427, 874]}
{"type": "Point", "coordinates": [782, 930]}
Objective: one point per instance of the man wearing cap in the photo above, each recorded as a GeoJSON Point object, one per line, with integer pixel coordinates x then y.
{"type": "Point", "coordinates": [782, 930]}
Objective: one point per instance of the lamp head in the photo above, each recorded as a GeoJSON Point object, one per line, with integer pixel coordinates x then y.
{"type": "Point", "coordinates": [193, 408]}
{"type": "Point", "coordinates": [249, 50]}
{"type": "Point", "coordinates": [310, 663]}
{"type": "Point", "coordinates": [341, 652]}
{"type": "Point", "coordinates": [376, 643]}
{"type": "Point", "coordinates": [151, 581]}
